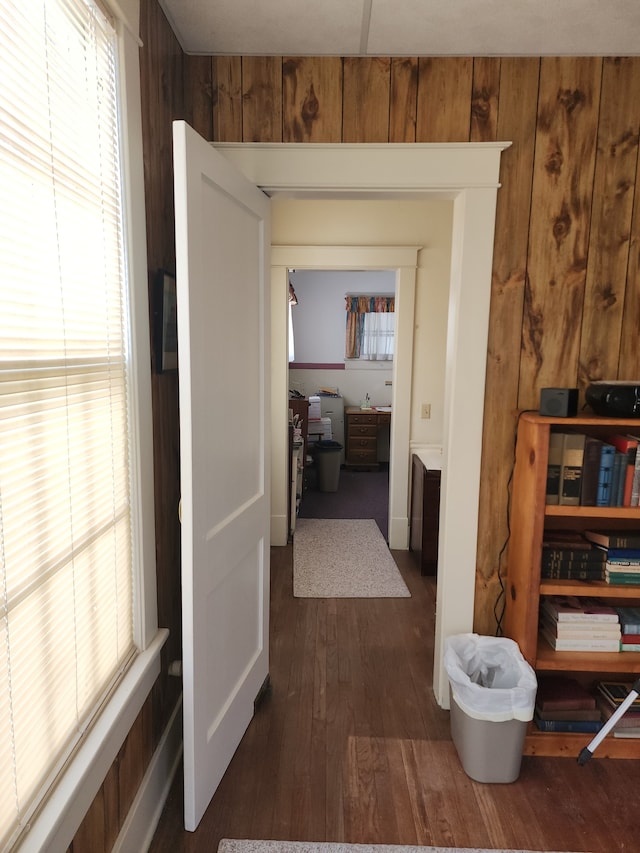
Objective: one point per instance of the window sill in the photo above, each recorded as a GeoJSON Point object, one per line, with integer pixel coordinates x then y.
{"type": "Point", "coordinates": [57, 822]}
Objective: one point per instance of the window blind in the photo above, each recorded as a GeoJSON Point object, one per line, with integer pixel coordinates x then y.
{"type": "Point", "coordinates": [66, 609]}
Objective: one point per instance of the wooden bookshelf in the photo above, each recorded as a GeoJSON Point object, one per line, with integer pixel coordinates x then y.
{"type": "Point", "coordinates": [529, 518]}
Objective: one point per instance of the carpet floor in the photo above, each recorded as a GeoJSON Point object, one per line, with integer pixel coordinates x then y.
{"type": "Point", "coordinates": [240, 846]}
{"type": "Point", "coordinates": [343, 558]}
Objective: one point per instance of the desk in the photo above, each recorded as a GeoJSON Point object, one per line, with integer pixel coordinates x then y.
{"type": "Point", "coordinates": [362, 429]}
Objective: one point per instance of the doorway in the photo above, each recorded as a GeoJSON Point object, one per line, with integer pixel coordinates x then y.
{"type": "Point", "coordinates": [403, 261]}
{"type": "Point", "coordinates": [318, 365]}
{"type": "Point", "coordinates": [468, 174]}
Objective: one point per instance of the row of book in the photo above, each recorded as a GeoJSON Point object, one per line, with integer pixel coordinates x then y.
{"type": "Point", "coordinates": [577, 624]}
{"type": "Point", "coordinates": [593, 555]}
{"type": "Point", "coordinates": [563, 704]}
{"type": "Point", "coordinates": [585, 470]}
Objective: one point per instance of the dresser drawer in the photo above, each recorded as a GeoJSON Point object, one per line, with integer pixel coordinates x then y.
{"type": "Point", "coordinates": [362, 456]}
{"type": "Point", "coordinates": [362, 442]}
{"type": "Point", "coordinates": [363, 419]}
{"type": "Point", "coordinates": [362, 429]}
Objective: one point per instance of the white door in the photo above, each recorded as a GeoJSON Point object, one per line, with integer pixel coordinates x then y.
{"type": "Point", "coordinates": [222, 258]}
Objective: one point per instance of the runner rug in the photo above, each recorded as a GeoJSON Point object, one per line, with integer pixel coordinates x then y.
{"type": "Point", "coordinates": [343, 558]}
{"type": "Point", "coordinates": [229, 846]}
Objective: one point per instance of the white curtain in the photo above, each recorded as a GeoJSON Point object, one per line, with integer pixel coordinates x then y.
{"type": "Point", "coordinates": [378, 334]}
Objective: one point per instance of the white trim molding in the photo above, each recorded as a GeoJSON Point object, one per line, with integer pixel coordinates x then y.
{"type": "Point", "coordinates": [402, 259]}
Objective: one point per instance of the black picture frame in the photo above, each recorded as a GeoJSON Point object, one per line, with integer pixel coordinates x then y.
{"type": "Point", "coordinates": [166, 323]}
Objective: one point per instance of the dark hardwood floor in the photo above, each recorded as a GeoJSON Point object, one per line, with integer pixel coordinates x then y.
{"type": "Point", "coordinates": [351, 746]}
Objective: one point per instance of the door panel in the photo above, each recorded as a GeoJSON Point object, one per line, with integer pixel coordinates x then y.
{"type": "Point", "coordinates": [222, 246]}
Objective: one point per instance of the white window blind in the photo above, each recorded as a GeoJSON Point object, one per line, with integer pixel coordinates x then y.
{"type": "Point", "coordinates": [66, 605]}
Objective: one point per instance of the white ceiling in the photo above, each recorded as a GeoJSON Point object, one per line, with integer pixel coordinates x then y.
{"type": "Point", "coordinates": [407, 27]}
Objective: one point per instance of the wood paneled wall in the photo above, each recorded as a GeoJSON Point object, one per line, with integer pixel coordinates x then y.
{"type": "Point", "coordinates": [565, 307]}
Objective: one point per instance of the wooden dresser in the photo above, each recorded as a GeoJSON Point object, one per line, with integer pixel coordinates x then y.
{"type": "Point", "coordinates": [425, 512]}
{"type": "Point", "coordinates": [362, 430]}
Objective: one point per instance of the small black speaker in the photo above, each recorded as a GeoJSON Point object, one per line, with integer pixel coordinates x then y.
{"type": "Point", "coordinates": [559, 402]}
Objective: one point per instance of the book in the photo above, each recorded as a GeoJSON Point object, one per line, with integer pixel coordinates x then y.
{"type": "Point", "coordinates": [573, 572]}
{"type": "Point", "coordinates": [630, 638]}
{"type": "Point", "coordinates": [568, 607]}
{"type": "Point", "coordinates": [577, 644]}
{"type": "Point", "coordinates": [596, 556]}
{"type": "Point", "coordinates": [617, 484]}
{"type": "Point", "coordinates": [630, 718]}
{"type": "Point", "coordinates": [614, 538]}
{"type": "Point", "coordinates": [629, 618]}
{"type": "Point", "coordinates": [635, 481]}
{"type": "Point", "coordinates": [605, 476]}
{"type": "Point", "coordinates": [567, 725]}
{"type": "Point", "coordinates": [570, 539]}
{"type": "Point", "coordinates": [554, 465]}
{"type": "Point", "coordinates": [622, 554]}
{"type": "Point", "coordinates": [571, 470]}
{"type": "Point", "coordinates": [563, 693]}
{"type": "Point", "coordinates": [628, 445]}
{"type": "Point", "coordinates": [629, 647]}
{"type": "Point", "coordinates": [590, 470]}
{"type": "Point", "coordinates": [575, 714]}
{"type": "Point", "coordinates": [621, 579]}
{"type": "Point", "coordinates": [599, 631]}
{"type": "Point", "coordinates": [617, 691]}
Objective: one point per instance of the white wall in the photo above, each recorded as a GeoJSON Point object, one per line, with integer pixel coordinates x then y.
{"type": "Point", "coordinates": [319, 321]}
{"type": "Point", "coordinates": [402, 222]}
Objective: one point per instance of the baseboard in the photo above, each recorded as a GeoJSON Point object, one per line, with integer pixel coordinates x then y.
{"type": "Point", "coordinates": [140, 825]}
{"type": "Point", "coordinates": [279, 531]}
{"type": "Point", "coordinates": [399, 534]}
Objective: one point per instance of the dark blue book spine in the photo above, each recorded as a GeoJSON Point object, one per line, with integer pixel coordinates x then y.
{"type": "Point", "coordinates": [605, 476]}
{"type": "Point", "coordinates": [588, 726]}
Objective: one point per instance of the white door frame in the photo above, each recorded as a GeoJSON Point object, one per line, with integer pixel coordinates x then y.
{"type": "Point", "coordinates": [403, 260]}
{"type": "Point", "coordinates": [468, 173]}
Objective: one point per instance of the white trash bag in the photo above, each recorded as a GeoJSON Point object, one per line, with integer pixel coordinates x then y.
{"type": "Point", "coordinates": [489, 678]}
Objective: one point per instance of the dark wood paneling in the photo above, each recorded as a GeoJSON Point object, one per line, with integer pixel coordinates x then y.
{"type": "Point", "coordinates": [613, 194]}
{"type": "Point", "coordinates": [367, 91]}
{"type": "Point", "coordinates": [629, 363]}
{"type": "Point", "coordinates": [517, 123]}
{"type": "Point", "coordinates": [312, 99]}
{"type": "Point", "coordinates": [227, 99]}
{"type": "Point", "coordinates": [444, 99]}
{"type": "Point", "coordinates": [569, 102]}
{"type": "Point", "coordinates": [198, 81]}
{"type": "Point", "coordinates": [261, 99]}
{"type": "Point", "coordinates": [484, 99]}
{"type": "Point", "coordinates": [404, 100]}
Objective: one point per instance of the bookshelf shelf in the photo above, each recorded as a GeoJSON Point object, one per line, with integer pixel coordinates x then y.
{"type": "Point", "coordinates": [595, 589]}
{"type": "Point", "coordinates": [530, 516]}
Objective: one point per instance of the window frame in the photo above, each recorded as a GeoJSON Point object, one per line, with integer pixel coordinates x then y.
{"type": "Point", "coordinates": [56, 822]}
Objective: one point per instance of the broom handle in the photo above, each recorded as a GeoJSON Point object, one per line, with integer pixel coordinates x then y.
{"type": "Point", "coordinates": [587, 751]}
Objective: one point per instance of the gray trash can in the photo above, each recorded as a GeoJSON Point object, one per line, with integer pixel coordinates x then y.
{"type": "Point", "coordinates": [326, 455]}
{"type": "Point", "coordinates": [493, 693]}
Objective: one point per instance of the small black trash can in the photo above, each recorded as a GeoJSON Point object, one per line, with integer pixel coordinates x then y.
{"type": "Point", "coordinates": [326, 455]}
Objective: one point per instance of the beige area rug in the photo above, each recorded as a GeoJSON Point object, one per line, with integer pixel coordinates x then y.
{"type": "Point", "coordinates": [237, 846]}
{"type": "Point", "coordinates": [343, 558]}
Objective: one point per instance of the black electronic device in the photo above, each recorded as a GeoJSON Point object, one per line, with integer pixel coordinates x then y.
{"type": "Point", "coordinates": [616, 399]}
{"type": "Point", "coordinates": [559, 402]}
